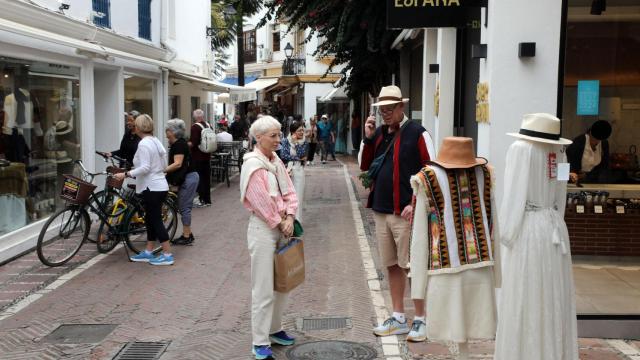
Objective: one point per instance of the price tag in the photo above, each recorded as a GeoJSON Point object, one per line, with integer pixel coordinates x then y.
{"type": "Point", "coordinates": [620, 209]}
{"type": "Point", "coordinates": [580, 209]}
{"type": "Point", "coordinates": [563, 171]}
{"type": "Point", "coordinates": [552, 166]}
{"type": "Point", "coordinates": [597, 209]}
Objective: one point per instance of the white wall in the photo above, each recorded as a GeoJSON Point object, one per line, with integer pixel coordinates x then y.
{"type": "Point", "coordinates": [517, 86]}
{"type": "Point", "coordinates": [191, 19]}
{"type": "Point", "coordinates": [124, 15]}
{"type": "Point", "coordinates": [312, 91]}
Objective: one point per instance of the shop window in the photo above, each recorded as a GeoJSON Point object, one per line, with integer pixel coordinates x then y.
{"type": "Point", "coordinates": [195, 103]}
{"type": "Point", "coordinates": [144, 19]}
{"type": "Point", "coordinates": [138, 94]}
{"type": "Point", "coordinates": [174, 107]}
{"type": "Point", "coordinates": [250, 55]}
{"type": "Point", "coordinates": [40, 138]}
{"type": "Point", "coordinates": [103, 10]}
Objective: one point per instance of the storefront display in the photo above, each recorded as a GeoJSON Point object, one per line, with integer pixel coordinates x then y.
{"type": "Point", "coordinates": [138, 94]}
{"type": "Point", "coordinates": [600, 108]}
{"type": "Point", "coordinates": [40, 137]}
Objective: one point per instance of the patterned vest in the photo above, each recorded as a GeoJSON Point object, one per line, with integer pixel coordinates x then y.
{"type": "Point", "coordinates": [459, 218]}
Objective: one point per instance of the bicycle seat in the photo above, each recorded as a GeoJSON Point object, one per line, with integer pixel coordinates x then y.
{"type": "Point", "coordinates": [131, 186]}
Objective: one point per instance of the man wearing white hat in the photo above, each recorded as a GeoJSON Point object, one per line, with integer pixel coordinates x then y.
{"type": "Point", "coordinates": [391, 154]}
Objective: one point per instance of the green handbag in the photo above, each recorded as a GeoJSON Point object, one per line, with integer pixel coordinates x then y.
{"type": "Point", "coordinates": [297, 229]}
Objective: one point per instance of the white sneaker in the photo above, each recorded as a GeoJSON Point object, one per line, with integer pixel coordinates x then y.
{"type": "Point", "coordinates": [418, 332]}
{"type": "Point", "coordinates": [391, 326]}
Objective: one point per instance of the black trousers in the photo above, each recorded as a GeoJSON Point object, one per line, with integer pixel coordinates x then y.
{"type": "Point", "coordinates": [312, 151]}
{"type": "Point", "coordinates": [203, 168]}
{"type": "Point", "coordinates": [153, 215]}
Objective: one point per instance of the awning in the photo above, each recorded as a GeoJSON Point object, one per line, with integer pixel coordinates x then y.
{"type": "Point", "coordinates": [335, 93]}
{"type": "Point", "coordinates": [262, 83]}
{"type": "Point", "coordinates": [223, 98]}
{"type": "Point", "coordinates": [237, 94]}
{"type": "Point", "coordinates": [234, 80]}
{"type": "Point", "coordinates": [82, 47]}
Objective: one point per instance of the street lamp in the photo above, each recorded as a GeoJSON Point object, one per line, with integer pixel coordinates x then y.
{"type": "Point", "coordinates": [288, 51]}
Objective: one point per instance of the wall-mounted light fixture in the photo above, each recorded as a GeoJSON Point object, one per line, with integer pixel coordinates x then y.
{"type": "Point", "coordinates": [527, 49]}
{"type": "Point", "coordinates": [288, 51]}
{"type": "Point", "coordinates": [434, 68]}
{"type": "Point", "coordinates": [598, 6]}
{"type": "Point", "coordinates": [64, 5]}
{"type": "Point", "coordinates": [479, 51]}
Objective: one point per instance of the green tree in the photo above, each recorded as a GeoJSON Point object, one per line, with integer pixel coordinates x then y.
{"type": "Point", "coordinates": [355, 34]}
{"type": "Point", "coordinates": [224, 27]}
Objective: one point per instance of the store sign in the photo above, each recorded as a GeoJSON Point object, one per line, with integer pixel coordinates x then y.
{"type": "Point", "coordinates": [588, 97]}
{"type": "Point", "coordinates": [408, 14]}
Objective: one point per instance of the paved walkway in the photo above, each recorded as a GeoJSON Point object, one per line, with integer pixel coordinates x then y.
{"type": "Point", "coordinates": [201, 304]}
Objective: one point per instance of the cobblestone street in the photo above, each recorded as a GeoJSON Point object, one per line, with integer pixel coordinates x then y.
{"type": "Point", "coordinates": [201, 305]}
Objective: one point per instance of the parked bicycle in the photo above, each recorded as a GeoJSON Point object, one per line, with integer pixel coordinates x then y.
{"type": "Point", "coordinates": [64, 233]}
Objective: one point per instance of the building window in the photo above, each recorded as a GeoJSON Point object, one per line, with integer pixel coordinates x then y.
{"type": "Point", "coordinates": [250, 46]}
{"type": "Point", "coordinates": [275, 37]}
{"type": "Point", "coordinates": [40, 138]}
{"type": "Point", "coordinates": [102, 8]}
{"type": "Point", "coordinates": [174, 107]}
{"type": "Point", "coordinates": [144, 19]}
{"type": "Point", "coordinates": [138, 94]}
{"type": "Point", "coordinates": [195, 103]}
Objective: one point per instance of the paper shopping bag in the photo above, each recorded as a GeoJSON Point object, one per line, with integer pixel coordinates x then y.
{"type": "Point", "coordinates": [288, 266]}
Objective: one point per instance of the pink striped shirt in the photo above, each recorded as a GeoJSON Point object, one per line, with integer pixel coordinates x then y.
{"type": "Point", "coordinates": [269, 208]}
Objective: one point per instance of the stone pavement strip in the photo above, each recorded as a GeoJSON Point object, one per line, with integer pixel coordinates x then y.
{"type": "Point", "coordinates": [201, 305]}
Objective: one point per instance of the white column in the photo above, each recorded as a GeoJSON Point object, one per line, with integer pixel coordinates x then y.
{"type": "Point", "coordinates": [87, 116]}
{"type": "Point", "coordinates": [517, 86]}
{"type": "Point", "coordinates": [447, 59]}
{"type": "Point", "coordinates": [430, 49]}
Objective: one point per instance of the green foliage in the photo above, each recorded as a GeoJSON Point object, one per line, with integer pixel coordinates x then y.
{"type": "Point", "coordinates": [365, 180]}
{"type": "Point", "coordinates": [355, 34]}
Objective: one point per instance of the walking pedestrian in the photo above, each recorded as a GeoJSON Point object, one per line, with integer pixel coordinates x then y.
{"type": "Point", "coordinates": [181, 174]}
{"type": "Point", "coordinates": [201, 160]}
{"type": "Point", "coordinates": [325, 133]}
{"type": "Point", "coordinates": [356, 130]}
{"type": "Point", "coordinates": [149, 163]}
{"type": "Point", "coordinates": [294, 156]}
{"type": "Point", "coordinates": [268, 193]}
{"type": "Point", "coordinates": [409, 148]}
{"type": "Point", "coordinates": [312, 138]}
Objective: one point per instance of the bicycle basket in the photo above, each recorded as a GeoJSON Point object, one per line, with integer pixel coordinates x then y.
{"type": "Point", "coordinates": [112, 181]}
{"type": "Point", "coordinates": [75, 190]}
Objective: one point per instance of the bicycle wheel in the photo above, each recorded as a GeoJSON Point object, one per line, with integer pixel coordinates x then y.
{"type": "Point", "coordinates": [62, 236]}
{"type": "Point", "coordinates": [136, 230]}
{"type": "Point", "coordinates": [104, 200]}
{"type": "Point", "coordinates": [108, 235]}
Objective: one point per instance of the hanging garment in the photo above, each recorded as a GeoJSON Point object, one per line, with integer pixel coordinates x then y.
{"type": "Point", "coordinates": [537, 305]}
{"type": "Point", "coordinates": [452, 253]}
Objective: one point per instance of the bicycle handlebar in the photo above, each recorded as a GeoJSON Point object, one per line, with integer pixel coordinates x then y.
{"type": "Point", "coordinates": [112, 157]}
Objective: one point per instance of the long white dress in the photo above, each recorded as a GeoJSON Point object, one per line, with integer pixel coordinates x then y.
{"type": "Point", "coordinates": [537, 312]}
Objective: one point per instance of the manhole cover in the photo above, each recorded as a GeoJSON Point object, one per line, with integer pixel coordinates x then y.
{"type": "Point", "coordinates": [331, 350]}
{"type": "Point", "coordinates": [80, 333]}
{"type": "Point", "coordinates": [325, 323]}
{"type": "Point", "coordinates": [142, 351]}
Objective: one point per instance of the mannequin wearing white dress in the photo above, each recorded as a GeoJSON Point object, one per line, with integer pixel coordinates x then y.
{"type": "Point", "coordinates": [537, 314]}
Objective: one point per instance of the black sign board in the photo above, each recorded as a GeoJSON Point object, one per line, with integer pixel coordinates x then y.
{"type": "Point", "coordinates": [409, 14]}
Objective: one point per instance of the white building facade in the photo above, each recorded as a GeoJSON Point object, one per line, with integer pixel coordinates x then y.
{"type": "Point", "coordinates": [67, 76]}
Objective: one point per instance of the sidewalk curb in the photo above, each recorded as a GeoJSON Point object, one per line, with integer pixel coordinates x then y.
{"type": "Point", "coordinates": [391, 348]}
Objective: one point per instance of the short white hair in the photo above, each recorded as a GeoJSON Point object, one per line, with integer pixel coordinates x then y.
{"type": "Point", "coordinates": [177, 127]}
{"type": "Point", "coordinates": [263, 125]}
{"type": "Point", "coordinates": [198, 113]}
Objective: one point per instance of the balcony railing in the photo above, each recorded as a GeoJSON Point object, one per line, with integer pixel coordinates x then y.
{"type": "Point", "coordinates": [293, 66]}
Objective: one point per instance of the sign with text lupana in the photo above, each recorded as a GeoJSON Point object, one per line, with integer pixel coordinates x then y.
{"type": "Point", "coordinates": [408, 14]}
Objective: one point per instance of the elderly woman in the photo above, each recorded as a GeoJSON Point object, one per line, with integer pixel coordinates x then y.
{"type": "Point", "coordinates": [181, 174]}
{"type": "Point", "coordinates": [148, 170]}
{"type": "Point", "coordinates": [268, 193]}
{"type": "Point", "coordinates": [294, 155]}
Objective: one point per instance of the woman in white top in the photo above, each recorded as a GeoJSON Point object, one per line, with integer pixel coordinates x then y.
{"type": "Point", "coordinates": [149, 163]}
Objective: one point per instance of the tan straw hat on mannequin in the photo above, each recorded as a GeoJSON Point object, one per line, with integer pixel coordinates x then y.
{"type": "Point", "coordinates": [541, 127]}
{"type": "Point", "coordinates": [458, 153]}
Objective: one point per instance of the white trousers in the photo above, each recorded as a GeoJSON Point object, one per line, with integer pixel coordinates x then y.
{"type": "Point", "coordinates": [267, 305]}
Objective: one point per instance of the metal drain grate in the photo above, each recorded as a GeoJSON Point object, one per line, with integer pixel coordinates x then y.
{"type": "Point", "coordinates": [142, 351]}
{"type": "Point", "coordinates": [324, 323]}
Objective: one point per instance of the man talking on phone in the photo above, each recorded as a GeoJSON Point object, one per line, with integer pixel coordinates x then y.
{"type": "Point", "coordinates": [398, 149]}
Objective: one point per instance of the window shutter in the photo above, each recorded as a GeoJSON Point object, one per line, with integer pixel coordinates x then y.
{"type": "Point", "coordinates": [102, 6]}
{"type": "Point", "coordinates": [144, 19]}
